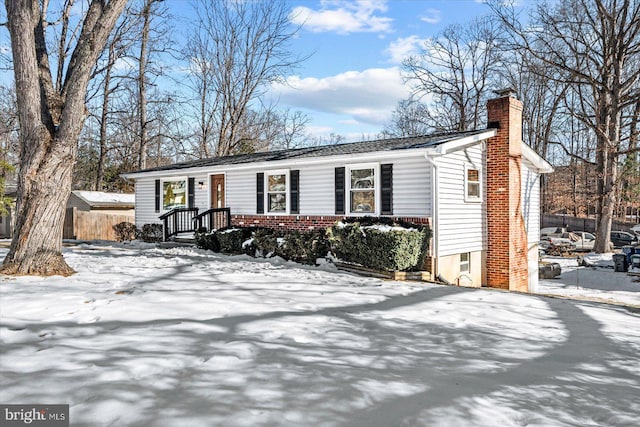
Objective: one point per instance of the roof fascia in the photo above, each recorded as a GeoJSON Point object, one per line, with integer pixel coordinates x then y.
{"type": "Point", "coordinates": [536, 160]}
{"type": "Point", "coordinates": [462, 143]}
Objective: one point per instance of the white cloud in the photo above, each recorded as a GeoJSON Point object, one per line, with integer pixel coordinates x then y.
{"type": "Point", "coordinates": [403, 47]}
{"type": "Point", "coordinates": [431, 16]}
{"type": "Point", "coordinates": [344, 17]}
{"type": "Point", "coordinates": [364, 97]}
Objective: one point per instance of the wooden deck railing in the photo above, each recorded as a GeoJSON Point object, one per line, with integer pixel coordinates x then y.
{"type": "Point", "coordinates": [213, 219]}
{"type": "Point", "coordinates": [178, 220]}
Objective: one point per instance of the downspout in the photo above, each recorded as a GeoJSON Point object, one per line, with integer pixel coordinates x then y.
{"type": "Point", "coordinates": [434, 211]}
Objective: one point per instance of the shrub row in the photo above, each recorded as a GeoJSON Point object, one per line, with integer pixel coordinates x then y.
{"type": "Point", "coordinates": [302, 247]}
{"type": "Point", "coordinates": [382, 245]}
{"type": "Point", "coordinates": [126, 231]}
{"type": "Point", "coordinates": [392, 246]}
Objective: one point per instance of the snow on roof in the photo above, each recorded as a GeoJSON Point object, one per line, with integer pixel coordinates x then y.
{"type": "Point", "coordinates": [101, 198]}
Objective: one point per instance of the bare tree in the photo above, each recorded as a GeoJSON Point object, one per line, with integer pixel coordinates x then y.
{"type": "Point", "coordinates": [116, 50]}
{"type": "Point", "coordinates": [291, 130]}
{"type": "Point", "coordinates": [8, 146]}
{"type": "Point", "coordinates": [153, 41]}
{"type": "Point", "coordinates": [410, 118]}
{"type": "Point", "coordinates": [238, 49]}
{"type": "Point", "coordinates": [453, 72]}
{"type": "Point", "coordinates": [594, 46]}
{"type": "Point", "coordinates": [51, 120]}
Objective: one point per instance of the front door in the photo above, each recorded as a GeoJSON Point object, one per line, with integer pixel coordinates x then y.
{"type": "Point", "coordinates": [217, 191]}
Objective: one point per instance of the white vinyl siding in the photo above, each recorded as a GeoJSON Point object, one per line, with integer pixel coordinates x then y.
{"type": "Point", "coordinates": [201, 194]}
{"type": "Point", "coordinates": [411, 188]}
{"type": "Point", "coordinates": [317, 190]}
{"type": "Point", "coordinates": [146, 202]}
{"type": "Point", "coordinates": [241, 191]}
{"type": "Point", "coordinates": [460, 224]}
{"type": "Point", "coordinates": [531, 201]}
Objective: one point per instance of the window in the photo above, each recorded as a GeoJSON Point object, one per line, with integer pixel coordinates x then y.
{"type": "Point", "coordinates": [362, 190]}
{"type": "Point", "coordinates": [472, 181]}
{"type": "Point", "coordinates": [174, 194]}
{"type": "Point", "coordinates": [277, 192]}
{"type": "Point", "coordinates": [464, 262]}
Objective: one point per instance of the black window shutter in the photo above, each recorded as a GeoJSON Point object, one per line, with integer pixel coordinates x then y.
{"type": "Point", "coordinates": [386, 180]}
{"type": "Point", "coordinates": [294, 191]}
{"type": "Point", "coordinates": [191, 184]}
{"type": "Point", "coordinates": [260, 193]}
{"type": "Point", "coordinates": [339, 187]}
{"type": "Point", "coordinates": [157, 195]}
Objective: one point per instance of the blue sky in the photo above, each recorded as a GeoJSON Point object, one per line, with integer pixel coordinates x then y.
{"type": "Point", "coordinates": [353, 81]}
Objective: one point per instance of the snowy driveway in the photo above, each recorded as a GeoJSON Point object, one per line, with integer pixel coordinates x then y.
{"type": "Point", "coordinates": [182, 337]}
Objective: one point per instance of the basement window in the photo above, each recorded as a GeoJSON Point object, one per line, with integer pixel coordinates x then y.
{"type": "Point", "coordinates": [472, 184]}
{"type": "Point", "coordinates": [464, 262]}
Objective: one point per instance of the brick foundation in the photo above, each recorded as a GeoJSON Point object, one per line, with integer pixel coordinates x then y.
{"type": "Point", "coordinates": [302, 222]}
{"type": "Point", "coordinates": [507, 266]}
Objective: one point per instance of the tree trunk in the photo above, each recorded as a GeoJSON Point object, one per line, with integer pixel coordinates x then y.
{"type": "Point", "coordinates": [142, 86]}
{"type": "Point", "coordinates": [50, 123]}
{"type": "Point", "coordinates": [42, 199]}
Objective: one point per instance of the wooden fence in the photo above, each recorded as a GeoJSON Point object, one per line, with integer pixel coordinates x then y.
{"type": "Point", "coordinates": [82, 225]}
{"type": "Point", "coordinates": [580, 224]}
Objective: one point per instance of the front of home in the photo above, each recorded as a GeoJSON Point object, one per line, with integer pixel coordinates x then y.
{"type": "Point", "coordinates": [456, 183]}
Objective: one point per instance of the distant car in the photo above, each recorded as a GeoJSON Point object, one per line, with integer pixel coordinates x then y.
{"type": "Point", "coordinates": [622, 238]}
{"type": "Point", "coordinates": [636, 229]}
{"type": "Point", "coordinates": [582, 240]}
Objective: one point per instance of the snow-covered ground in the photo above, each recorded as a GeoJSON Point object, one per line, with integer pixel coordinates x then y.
{"type": "Point", "coordinates": [182, 337]}
{"type": "Point", "coordinates": [598, 283]}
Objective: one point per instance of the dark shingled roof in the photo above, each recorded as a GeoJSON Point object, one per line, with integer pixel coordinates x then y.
{"type": "Point", "coordinates": [392, 144]}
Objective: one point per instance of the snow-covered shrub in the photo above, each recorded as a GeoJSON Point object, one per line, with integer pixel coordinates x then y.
{"type": "Point", "coordinates": [304, 246]}
{"type": "Point", "coordinates": [207, 240]}
{"type": "Point", "coordinates": [151, 233]}
{"type": "Point", "coordinates": [264, 243]}
{"type": "Point", "coordinates": [125, 231]}
{"type": "Point", "coordinates": [231, 239]}
{"type": "Point", "coordinates": [382, 246]}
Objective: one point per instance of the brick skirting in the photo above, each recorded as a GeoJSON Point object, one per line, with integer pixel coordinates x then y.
{"type": "Point", "coordinates": [303, 222]}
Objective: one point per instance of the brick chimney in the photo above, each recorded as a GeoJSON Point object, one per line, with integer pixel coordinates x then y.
{"type": "Point", "coordinates": [506, 234]}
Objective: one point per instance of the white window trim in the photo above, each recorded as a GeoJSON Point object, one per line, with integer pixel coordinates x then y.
{"type": "Point", "coordinates": [287, 191]}
{"type": "Point", "coordinates": [377, 192]}
{"type": "Point", "coordinates": [467, 198]}
{"type": "Point", "coordinates": [174, 179]}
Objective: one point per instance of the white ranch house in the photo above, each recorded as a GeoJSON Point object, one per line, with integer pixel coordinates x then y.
{"type": "Point", "coordinates": [478, 190]}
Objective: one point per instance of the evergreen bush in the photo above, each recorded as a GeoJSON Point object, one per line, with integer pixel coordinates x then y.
{"type": "Point", "coordinates": [207, 240]}
{"type": "Point", "coordinates": [264, 243]}
{"type": "Point", "coordinates": [125, 231]}
{"type": "Point", "coordinates": [304, 247]}
{"type": "Point", "coordinates": [151, 233]}
{"type": "Point", "coordinates": [230, 240]}
{"type": "Point", "coordinates": [391, 246]}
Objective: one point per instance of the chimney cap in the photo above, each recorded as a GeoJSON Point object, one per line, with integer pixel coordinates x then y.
{"type": "Point", "coordinates": [506, 92]}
